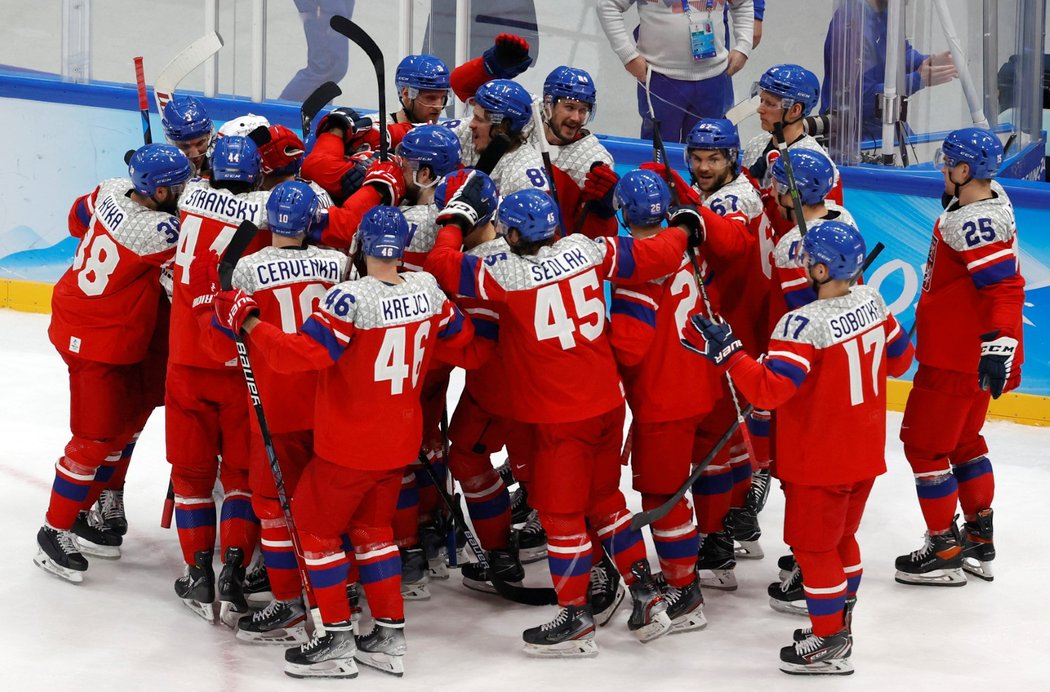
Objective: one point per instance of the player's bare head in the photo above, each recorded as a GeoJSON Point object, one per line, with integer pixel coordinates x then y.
{"type": "Point", "coordinates": [423, 86]}
{"type": "Point", "coordinates": [570, 101]}
{"type": "Point", "coordinates": [712, 153]}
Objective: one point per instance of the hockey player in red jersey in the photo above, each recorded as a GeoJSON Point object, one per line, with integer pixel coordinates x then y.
{"type": "Point", "coordinates": [969, 347]}
{"type": "Point", "coordinates": [104, 313]}
{"type": "Point", "coordinates": [825, 374]}
{"type": "Point", "coordinates": [370, 340]}
{"type": "Point", "coordinates": [555, 347]}
{"type": "Point", "coordinates": [206, 410]}
{"type": "Point", "coordinates": [188, 127]}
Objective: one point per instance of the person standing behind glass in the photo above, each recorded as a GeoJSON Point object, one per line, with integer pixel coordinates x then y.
{"type": "Point", "coordinates": [681, 43]}
{"type": "Point", "coordinates": [327, 52]}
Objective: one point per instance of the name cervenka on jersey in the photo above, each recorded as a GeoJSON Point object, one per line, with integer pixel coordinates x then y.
{"type": "Point", "coordinates": [283, 270]}
{"type": "Point", "coordinates": [853, 321]}
{"type": "Point", "coordinates": [220, 202]}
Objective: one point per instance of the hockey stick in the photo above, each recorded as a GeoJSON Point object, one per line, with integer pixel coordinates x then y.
{"type": "Point", "coordinates": [140, 83]}
{"type": "Point", "coordinates": [545, 154]}
{"type": "Point", "coordinates": [242, 238]}
{"type": "Point", "coordinates": [796, 199]}
{"type": "Point", "coordinates": [519, 594]}
{"type": "Point", "coordinates": [648, 517]}
{"type": "Point", "coordinates": [743, 110]}
{"type": "Point", "coordinates": [358, 35]}
{"type": "Point", "coordinates": [191, 57]}
{"type": "Point", "coordinates": [329, 91]}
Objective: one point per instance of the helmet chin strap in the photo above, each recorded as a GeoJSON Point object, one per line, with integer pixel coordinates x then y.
{"type": "Point", "coordinates": [813, 282]}
{"type": "Point", "coordinates": [959, 186]}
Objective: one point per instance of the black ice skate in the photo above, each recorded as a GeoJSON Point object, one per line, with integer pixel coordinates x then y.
{"type": "Point", "coordinates": [94, 538]}
{"type": "Point", "coordinates": [532, 540]}
{"type": "Point", "coordinates": [717, 561]}
{"type": "Point", "coordinates": [605, 591]}
{"type": "Point", "coordinates": [232, 604]}
{"type": "Point", "coordinates": [747, 533]}
{"type": "Point", "coordinates": [785, 564]}
{"type": "Point", "coordinates": [506, 473]}
{"type": "Point", "coordinates": [978, 549]}
{"type": "Point", "coordinates": [818, 655]}
{"type": "Point", "coordinates": [649, 618]}
{"type": "Point", "coordinates": [257, 585]}
{"type": "Point", "coordinates": [197, 587]}
{"type": "Point", "coordinates": [569, 635]}
{"type": "Point", "coordinates": [59, 554]}
{"type": "Point", "coordinates": [937, 563]}
{"type": "Point", "coordinates": [110, 506]}
{"type": "Point", "coordinates": [384, 647]}
{"type": "Point", "coordinates": [280, 622]}
{"type": "Point", "coordinates": [519, 505]}
{"type": "Point", "coordinates": [328, 655]}
{"type": "Point", "coordinates": [415, 576]}
{"type": "Point", "coordinates": [504, 563]}
{"type": "Point", "coordinates": [787, 596]}
{"type": "Point", "coordinates": [685, 607]}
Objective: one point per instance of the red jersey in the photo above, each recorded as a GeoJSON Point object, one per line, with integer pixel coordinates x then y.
{"type": "Point", "coordinates": [372, 342]}
{"type": "Point", "coordinates": [288, 283]}
{"type": "Point", "coordinates": [972, 285]}
{"type": "Point", "coordinates": [209, 218]}
{"type": "Point", "coordinates": [553, 341]}
{"type": "Point", "coordinates": [825, 374]}
{"type": "Point", "coordinates": [104, 308]}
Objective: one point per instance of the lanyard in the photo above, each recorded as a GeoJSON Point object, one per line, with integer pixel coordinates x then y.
{"type": "Point", "coordinates": [710, 5]}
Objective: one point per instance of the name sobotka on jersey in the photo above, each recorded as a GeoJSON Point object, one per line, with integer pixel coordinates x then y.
{"type": "Point", "coordinates": [856, 320]}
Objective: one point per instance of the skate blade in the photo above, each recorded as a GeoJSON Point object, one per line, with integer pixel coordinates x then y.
{"type": "Point", "coordinates": [415, 592]}
{"type": "Point", "coordinates": [530, 555]}
{"type": "Point", "coordinates": [437, 568]}
{"type": "Point", "coordinates": [689, 622]}
{"type": "Point", "coordinates": [585, 647]}
{"type": "Point", "coordinates": [602, 618]}
{"type": "Point", "coordinates": [204, 610]}
{"type": "Point", "coordinates": [981, 570]}
{"type": "Point", "coordinates": [45, 563]}
{"type": "Point", "coordinates": [657, 627]}
{"type": "Point", "coordinates": [789, 607]}
{"type": "Point", "coordinates": [938, 577]}
{"type": "Point", "coordinates": [230, 613]}
{"type": "Point", "coordinates": [385, 663]}
{"type": "Point", "coordinates": [720, 579]}
{"type": "Point", "coordinates": [482, 586]}
{"type": "Point", "coordinates": [295, 634]}
{"type": "Point", "coordinates": [748, 550]}
{"type": "Point", "coordinates": [335, 668]}
{"type": "Point", "coordinates": [106, 552]}
{"type": "Point", "coordinates": [833, 666]}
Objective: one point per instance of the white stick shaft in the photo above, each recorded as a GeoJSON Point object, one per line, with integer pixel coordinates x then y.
{"type": "Point", "coordinates": [973, 99]}
{"type": "Point", "coordinates": [889, 79]}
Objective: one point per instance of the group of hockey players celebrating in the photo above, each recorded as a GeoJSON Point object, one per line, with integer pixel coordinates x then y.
{"type": "Point", "coordinates": [737, 329]}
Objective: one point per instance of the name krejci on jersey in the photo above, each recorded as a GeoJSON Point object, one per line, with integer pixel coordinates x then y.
{"type": "Point", "coordinates": [860, 317]}
{"type": "Point", "coordinates": [109, 213]}
{"type": "Point", "coordinates": [400, 308]}
{"type": "Point", "coordinates": [293, 270]}
{"type": "Point", "coordinates": [221, 203]}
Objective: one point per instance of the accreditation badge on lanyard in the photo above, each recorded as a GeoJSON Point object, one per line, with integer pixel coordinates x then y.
{"type": "Point", "coordinates": [701, 31]}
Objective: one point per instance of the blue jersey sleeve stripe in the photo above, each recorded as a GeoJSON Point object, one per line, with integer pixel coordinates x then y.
{"type": "Point", "coordinates": [640, 312]}
{"type": "Point", "coordinates": [799, 297]}
{"type": "Point", "coordinates": [786, 369]}
{"type": "Point", "coordinates": [322, 335]}
{"type": "Point", "coordinates": [486, 329]}
{"type": "Point", "coordinates": [468, 272]}
{"type": "Point", "coordinates": [454, 326]}
{"type": "Point", "coordinates": [83, 215]}
{"type": "Point", "coordinates": [995, 273]}
{"type": "Point", "coordinates": [899, 345]}
{"type": "Point", "coordinates": [624, 257]}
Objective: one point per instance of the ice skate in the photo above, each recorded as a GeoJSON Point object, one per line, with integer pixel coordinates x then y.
{"type": "Point", "coordinates": [506, 473]}
{"type": "Point", "coordinates": [232, 604]}
{"type": "Point", "coordinates": [785, 564]}
{"type": "Point", "coordinates": [94, 538]}
{"type": "Point", "coordinates": [685, 607]}
{"type": "Point", "coordinates": [504, 563]}
{"type": "Point", "coordinates": [717, 562]}
{"type": "Point", "coordinates": [937, 563]}
{"type": "Point", "coordinates": [280, 622]}
{"type": "Point", "coordinates": [746, 533]}
{"type": "Point", "coordinates": [787, 596]}
{"type": "Point", "coordinates": [847, 616]}
{"type": "Point", "coordinates": [978, 549]}
{"type": "Point", "coordinates": [569, 635]}
{"type": "Point", "coordinates": [59, 554]}
{"type": "Point", "coordinates": [257, 586]}
{"type": "Point", "coordinates": [110, 506]}
{"type": "Point", "coordinates": [532, 540]}
{"type": "Point", "coordinates": [197, 587]}
{"type": "Point", "coordinates": [415, 577]}
{"type": "Point", "coordinates": [818, 655]}
{"type": "Point", "coordinates": [519, 505]}
{"type": "Point", "coordinates": [328, 655]}
{"type": "Point", "coordinates": [384, 647]}
{"type": "Point", "coordinates": [605, 592]}
{"type": "Point", "coordinates": [649, 618]}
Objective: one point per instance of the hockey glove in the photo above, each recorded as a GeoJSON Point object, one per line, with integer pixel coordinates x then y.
{"type": "Point", "coordinates": [690, 221]}
{"type": "Point", "coordinates": [508, 57]}
{"type": "Point", "coordinates": [598, 188]}
{"type": "Point", "coordinates": [354, 177]}
{"type": "Point", "coordinates": [686, 193]}
{"type": "Point", "coordinates": [386, 176]}
{"type": "Point", "coordinates": [346, 119]}
{"type": "Point", "coordinates": [466, 205]}
{"type": "Point", "coordinates": [712, 340]}
{"type": "Point", "coordinates": [233, 307]}
{"type": "Point", "coordinates": [996, 364]}
{"type": "Point", "coordinates": [204, 281]}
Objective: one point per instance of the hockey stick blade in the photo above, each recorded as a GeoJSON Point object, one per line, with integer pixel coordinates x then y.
{"type": "Point", "coordinates": [242, 237]}
{"type": "Point", "coordinates": [322, 95]}
{"type": "Point", "coordinates": [743, 110]}
{"type": "Point", "coordinates": [191, 57]}
{"type": "Point", "coordinates": [359, 36]}
{"type": "Point", "coordinates": [648, 517]}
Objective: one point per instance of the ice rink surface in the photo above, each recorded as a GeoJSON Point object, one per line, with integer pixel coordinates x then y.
{"type": "Point", "coordinates": [124, 628]}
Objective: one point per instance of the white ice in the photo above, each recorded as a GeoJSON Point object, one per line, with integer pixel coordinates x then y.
{"type": "Point", "coordinates": [124, 628]}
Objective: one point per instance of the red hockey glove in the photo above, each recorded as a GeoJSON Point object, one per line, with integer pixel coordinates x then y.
{"type": "Point", "coordinates": [508, 57]}
{"type": "Point", "coordinates": [712, 340]}
{"type": "Point", "coordinates": [387, 177]}
{"type": "Point", "coordinates": [686, 193]}
{"type": "Point", "coordinates": [204, 281]}
{"type": "Point", "coordinates": [282, 150]}
{"type": "Point", "coordinates": [598, 188]}
{"type": "Point", "coordinates": [233, 307]}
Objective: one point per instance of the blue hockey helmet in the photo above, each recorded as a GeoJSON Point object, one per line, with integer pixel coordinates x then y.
{"type": "Point", "coordinates": [975, 146]}
{"type": "Point", "coordinates": [531, 212]}
{"type": "Point", "coordinates": [431, 145]}
{"type": "Point", "coordinates": [384, 233]}
{"type": "Point", "coordinates": [235, 158]}
{"type": "Point", "coordinates": [291, 208]}
{"type": "Point", "coordinates": [644, 197]}
{"type": "Point", "coordinates": [570, 83]}
{"type": "Point", "coordinates": [422, 72]}
{"type": "Point", "coordinates": [185, 119]}
{"type": "Point", "coordinates": [456, 179]}
{"type": "Point", "coordinates": [714, 133]}
{"type": "Point", "coordinates": [158, 165]}
{"type": "Point", "coordinates": [504, 99]}
{"type": "Point", "coordinates": [837, 245]}
{"type": "Point", "coordinates": [792, 83]}
{"type": "Point", "coordinates": [814, 174]}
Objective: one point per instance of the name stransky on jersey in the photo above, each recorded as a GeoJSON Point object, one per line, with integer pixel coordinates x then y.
{"type": "Point", "coordinates": [400, 308]}
{"type": "Point", "coordinates": [858, 318]}
{"type": "Point", "coordinates": [558, 266]}
{"type": "Point", "coordinates": [220, 202]}
{"type": "Point", "coordinates": [285, 270]}
{"type": "Point", "coordinates": [109, 213]}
